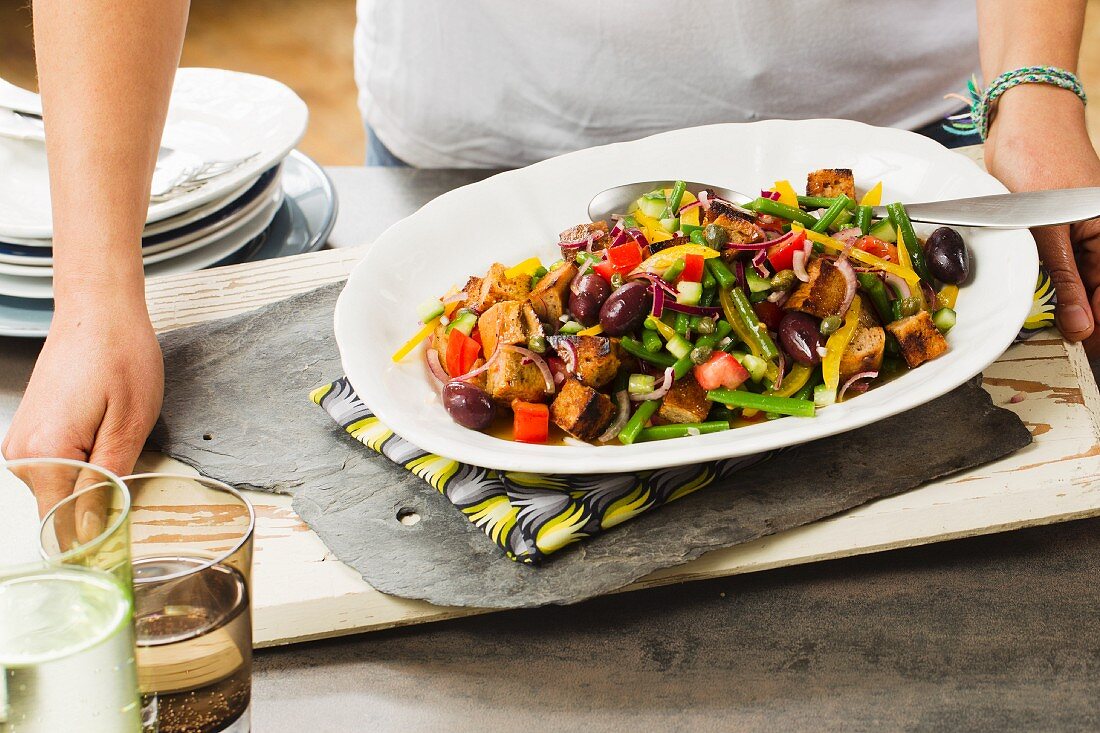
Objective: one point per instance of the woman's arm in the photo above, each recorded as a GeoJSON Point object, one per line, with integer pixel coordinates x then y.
{"type": "Point", "coordinates": [105, 72]}
{"type": "Point", "coordinates": [1039, 140]}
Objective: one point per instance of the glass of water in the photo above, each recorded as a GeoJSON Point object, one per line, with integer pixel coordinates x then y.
{"type": "Point", "coordinates": [66, 631]}
{"type": "Point", "coordinates": [192, 568]}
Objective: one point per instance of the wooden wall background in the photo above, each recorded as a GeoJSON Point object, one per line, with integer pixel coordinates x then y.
{"type": "Point", "coordinates": [307, 45]}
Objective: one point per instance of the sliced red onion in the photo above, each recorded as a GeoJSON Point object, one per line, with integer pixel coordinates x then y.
{"type": "Point", "coordinates": [659, 298]}
{"type": "Point", "coordinates": [899, 283]}
{"type": "Point", "coordinates": [773, 195]}
{"type": "Point", "coordinates": [848, 236]}
{"type": "Point", "coordinates": [456, 298]}
{"type": "Point", "coordinates": [570, 357]}
{"type": "Point", "coordinates": [798, 262]}
{"type": "Point", "coordinates": [742, 246]}
{"type": "Point", "coordinates": [638, 237]}
{"type": "Point", "coordinates": [704, 199]}
{"type": "Point", "coordinates": [592, 239]}
{"type": "Point", "coordinates": [474, 372]}
{"type": "Point", "coordinates": [850, 283]}
{"type": "Point", "coordinates": [928, 293]}
{"type": "Point", "coordinates": [739, 270]}
{"type": "Point", "coordinates": [758, 263]}
{"type": "Point", "coordinates": [621, 238]}
{"type": "Point", "coordinates": [855, 378]}
{"type": "Point", "coordinates": [622, 414]}
{"type": "Point", "coordinates": [691, 310]}
{"type": "Point", "coordinates": [660, 391]}
{"type": "Point", "coordinates": [782, 369]}
{"type": "Point", "coordinates": [808, 248]}
{"type": "Point", "coordinates": [435, 367]}
{"type": "Point", "coordinates": [657, 280]}
{"type": "Point", "coordinates": [537, 360]}
{"type": "Point", "coordinates": [689, 207]}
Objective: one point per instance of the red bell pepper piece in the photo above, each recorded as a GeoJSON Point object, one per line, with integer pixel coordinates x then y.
{"type": "Point", "coordinates": [769, 313]}
{"type": "Point", "coordinates": [781, 256]}
{"type": "Point", "coordinates": [625, 257]}
{"type": "Point", "coordinates": [604, 269]}
{"type": "Point", "coordinates": [531, 423]}
{"type": "Point", "coordinates": [462, 352]}
{"type": "Point", "coordinates": [720, 370]}
{"type": "Point", "coordinates": [693, 269]}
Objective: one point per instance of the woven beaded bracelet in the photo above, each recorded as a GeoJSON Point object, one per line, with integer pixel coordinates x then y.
{"type": "Point", "coordinates": [981, 103]}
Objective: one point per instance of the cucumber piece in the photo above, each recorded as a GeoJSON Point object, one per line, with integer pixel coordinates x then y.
{"type": "Point", "coordinates": [464, 321]}
{"type": "Point", "coordinates": [653, 208]}
{"type": "Point", "coordinates": [756, 283]}
{"type": "Point", "coordinates": [429, 309]}
{"type": "Point", "coordinates": [823, 396]}
{"type": "Point", "coordinates": [884, 230]}
{"type": "Point", "coordinates": [689, 293]}
{"type": "Point", "coordinates": [679, 346]}
{"type": "Point", "coordinates": [571, 327]}
{"type": "Point", "coordinates": [944, 319]}
{"type": "Point", "coordinates": [641, 384]}
{"type": "Point", "coordinates": [755, 366]}
{"type": "Point", "coordinates": [671, 225]}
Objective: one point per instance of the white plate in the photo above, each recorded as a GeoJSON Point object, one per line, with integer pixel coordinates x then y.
{"type": "Point", "coordinates": [221, 246]}
{"type": "Point", "coordinates": [515, 215]}
{"type": "Point", "coordinates": [214, 114]}
{"type": "Point", "coordinates": [214, 231]}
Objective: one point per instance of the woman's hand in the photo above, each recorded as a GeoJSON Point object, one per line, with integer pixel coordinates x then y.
{"type": "Point", "coordinates": [1038, 140]}
{"type": "Point", "coordinates": [96, 389]}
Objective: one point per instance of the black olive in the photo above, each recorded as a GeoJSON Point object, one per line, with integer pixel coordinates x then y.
{"type": "Point", "coordinates": [626, 309]}
{"type": "Point", "coordinates": [586, 295]}
{"type": "Point", "coordinates": [468, 405]}
{"type": "Point", "coordinates": [948, 258]}
{"type": "Point", "coordinates": [801, 337]}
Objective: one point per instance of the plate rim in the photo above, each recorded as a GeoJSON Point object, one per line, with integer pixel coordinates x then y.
{"type": "Point", "coordinates": [614, 459]}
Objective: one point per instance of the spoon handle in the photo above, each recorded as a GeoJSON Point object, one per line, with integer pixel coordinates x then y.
{"type": "Point", "coordinates": [1009, 210]}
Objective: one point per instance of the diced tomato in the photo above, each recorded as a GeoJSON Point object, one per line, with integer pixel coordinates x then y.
{"type": "Point", "coordinates": [769, 313]}
{"type": "Point", "coordinates": [693, 269]}
{"type": "Point", "coordinates": [462, 352]}
{"type": "Point", "coordinates": [625, 257]}
{"type": "Point", "coordinates": [720, 370]}
{"type": "Point", "coordinates": [604, 270]}
{"type": "Point", "coordinates": [531, 423]}
{"type": "Point", "coordinates": [781, 256]}
{"type": "Point", "coordinates": [770, 223]}
{"type": "Point", "coordinates": [878, 248]}
{"type": "Point", "coordinates": [476, 335]}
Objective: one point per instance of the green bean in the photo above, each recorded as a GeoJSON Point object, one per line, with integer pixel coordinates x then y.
{"type": "Point", "coordinates": [843, 221]}
{"type": "Point", "coordinates": [904, 228]}
{"type": "Point", "coordinates": [651, 342]}
{"type": "Point", "coordinates": [831, 214]}
{"type": "Point", "coordinates": [634, 348]}
{"type": "Point", "coordinates": [674, 199]}
{"type": "Point", "coordinates": [637, 421]}
{"type": "Point", "coordinates": [683, 323]}
{"type": "Point", "coordinates": [674, 270]}
{"type": "Point", "coordinates": [765, 403]}
{"type": "Point", "coordinates": [821, 202]}
{"type": "Point", "coordinates": [876, 291]}
{"type": "Point", "coordinates": [774, 208]}
{"type": "Point", "coordinates": [710, 286]}
{"type": "Point", "coordinates": [696, 237]}
{"type": "Point", "coordinates": [725, 277]}
{"type": "Point", "coordinates": [863, 218]}
{"type": "Point", "coordinates": [755, 329]}
{"type": "Point", "coordinates": [807, 390]}
{"type": "Point", "coordinates": [681, 430]}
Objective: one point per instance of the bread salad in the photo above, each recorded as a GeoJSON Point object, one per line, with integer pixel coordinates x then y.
{"type": "Point", "coordinates": [689, 314]}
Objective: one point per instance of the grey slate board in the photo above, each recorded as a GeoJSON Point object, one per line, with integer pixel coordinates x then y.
{"type": "Point", "coordinates": [236, 408]}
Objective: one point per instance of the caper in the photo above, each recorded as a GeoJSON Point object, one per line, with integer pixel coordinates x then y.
{"type": "Point", "coordinates": [830, 325]}
{"type": "Point", "coordinates": [700, 354]}
{"type": "Point", "coordinates": [910, 306]}
{"type": "Point", "coordinates": [616, 280]}
{"type": "Point", "coordinates": [783, 280]}
{"type": "Point", "coordinates": [537, 343]}
{"type": "Point", "coordinates": [706, 326]}
{"type": "Point", "coordinates": [715, 236]}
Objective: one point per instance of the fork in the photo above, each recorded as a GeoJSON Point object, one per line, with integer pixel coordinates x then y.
{"type": "Point", "coordinates": [193, 177]}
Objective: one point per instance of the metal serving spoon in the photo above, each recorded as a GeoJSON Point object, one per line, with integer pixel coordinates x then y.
{"type": "Point", "coordinates": [1002, 211]}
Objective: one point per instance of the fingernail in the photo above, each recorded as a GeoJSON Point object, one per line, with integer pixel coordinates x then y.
{"type": "Point", "coordinates": [1073, 319]}
{"type": "Point", "coordinates": [91, 526]}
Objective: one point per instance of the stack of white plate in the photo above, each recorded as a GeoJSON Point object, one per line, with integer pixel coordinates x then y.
{"type": "Point", "coordinates": [266, 200]}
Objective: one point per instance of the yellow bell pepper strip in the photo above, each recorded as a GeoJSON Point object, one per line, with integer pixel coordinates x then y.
{"type": "Point", "coordinates": [691, 217]}
{"type": "Point", "coordinates": [650, 227]}
{"type": "Point", "coordinates": [873, 197]}
{"type": "Point", "coordinates": [908, 237]}
{"type": "Point", "coordinates": [592, 331]}
{"type": "Point", "coordinates": [527, 267]}
{"type": "Point", "coordinates": [947, 296]}
{"type": "Point", "coordinates": [667, 331]}
{"type": "Point", "coordinates": [795, 380]}
{"type": "Point", "coordinates": [857, 254]}
{"type": "Point", "coordinates": [746, 324]}
{"type": "Point", "coordinates": [419, 336]}
{"type": "Point", "coordinates": [786, 193]}
{"type": "Point", "coordinates": [837, 343]}
{"type": "Point", "coordinates": [663, 260]}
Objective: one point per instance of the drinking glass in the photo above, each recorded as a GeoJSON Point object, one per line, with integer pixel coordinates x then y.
{"type": "Point", "coordinates": [66, 631]}
{"type": "Point", "coordinates": [192, 567]}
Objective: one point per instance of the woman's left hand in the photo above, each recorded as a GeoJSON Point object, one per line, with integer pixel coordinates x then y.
{"type": "Point", "coordinates": [1038, 141]}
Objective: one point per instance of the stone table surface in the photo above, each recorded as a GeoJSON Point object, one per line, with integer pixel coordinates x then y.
{"type": "Point", "coordinates": [991, 633]}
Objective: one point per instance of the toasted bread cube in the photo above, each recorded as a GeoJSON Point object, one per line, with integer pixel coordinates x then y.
{"type": "Point", "coordinates": [550, 297]}
{"type": "Point", "coordinates": [502, 324]}
{"type": "Point", "coordinates": [831, 182]}
{"type": "Point", "coordinates": [472, 290]}
{"type": "Point", "coordinates": [823, 295]}
{"type": "Point", "coordinates": [864, 352]}
{"type": "Point", "coordinates": [685, 402]}
{"type": "Point", "coordinates": [655, 247]}
{"type": "Point", "coordinates": [580, 234]}
{"type": "Point", "coordinates": [919, 339]}
{"type": "Point", "coordinates": [510, 379]}
{"type": "Point", "coordinates": [718, 209]}
{"type": "Point", "coordinates": [597, 358]}
{"type": "Point", "coordinates": [581, 411]}
{"type": "Point", "coordinates": [496, 287]}
{"type": "Point", "coordinates": [741, 231]}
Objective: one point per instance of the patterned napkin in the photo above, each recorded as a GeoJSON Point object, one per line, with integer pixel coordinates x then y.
{"type": "Point", "coordinates": [531, 516]}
